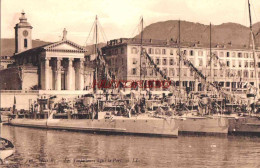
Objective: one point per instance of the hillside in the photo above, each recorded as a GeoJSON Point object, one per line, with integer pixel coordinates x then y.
{"type": "Point", "coordinates": [192, 32]}
{"type": "Point", "coordinates": [91, 48]}
{"type": "Point", "coordinates": [8, 46]}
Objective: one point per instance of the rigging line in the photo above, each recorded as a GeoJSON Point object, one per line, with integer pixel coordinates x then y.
{"type": "Point", "coordinates": [97, 37]}
{"type": "Point", "coordinates": [136, 28]}
{"type": "Point", "coordinates": [207, 26]}
{"type": "Point", "coordinates": [144, 26]}
{"type": "Point", "coordinates": [134, 31]}
{"type": "Point", "coordinates": [102, 32]}
{"type": "Point", "coordinates": [93, 40]}
{"type": "Point", "coordinates": [139, 28]}
{"type": "Point", "coordinates": [245, 13]}
{"type": "Point", "coordinates": [254, 10]}
{"type": "Point", "coordinates": [89, 33]}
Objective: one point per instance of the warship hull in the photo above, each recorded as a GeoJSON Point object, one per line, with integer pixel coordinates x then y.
{"type": "Point", "coordinates": [244, 125]}
{"type": "Point", "coordinates": [203, 125]}
{"type": "Point", "coordinates": [150, 127]}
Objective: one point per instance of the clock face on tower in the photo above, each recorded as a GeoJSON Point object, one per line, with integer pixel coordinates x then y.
{"type": "Point", "coordinates": [25, 33]}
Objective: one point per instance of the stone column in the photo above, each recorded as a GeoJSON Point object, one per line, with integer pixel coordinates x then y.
{"type": "Point", "coordinates": [58, 74]}
{"type": "Point", "coordinates": [46, 69]}
{"type": "Point", "coordinates": [69, 76]}
{"type": "Point", "coordinates": [81, 74]}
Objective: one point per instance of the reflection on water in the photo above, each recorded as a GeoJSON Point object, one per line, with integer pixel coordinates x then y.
{"type": "Point", "coordinates": [50, 148]}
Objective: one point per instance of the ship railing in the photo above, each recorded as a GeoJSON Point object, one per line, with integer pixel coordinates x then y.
{"type": "Point", "coordinates": [19, 91]}
{"type": "Point", "coordinates": [11, 91]}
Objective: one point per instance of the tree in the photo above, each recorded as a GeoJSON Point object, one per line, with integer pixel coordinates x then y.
{"type": "Point", "coordinates": [21, 76]}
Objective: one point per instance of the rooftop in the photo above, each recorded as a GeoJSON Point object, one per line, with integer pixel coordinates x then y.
{"type": "Point", "coordinates": [174, 43]}
{"type": "Point", "coordinates": [52, 47]}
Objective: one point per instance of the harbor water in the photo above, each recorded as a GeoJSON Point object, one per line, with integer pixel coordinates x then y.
{"type": "Point", "coordinates": [51, 148]}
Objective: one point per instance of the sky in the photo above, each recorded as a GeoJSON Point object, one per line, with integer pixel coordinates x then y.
{"type": "Point", "coordinates": [118, 18]}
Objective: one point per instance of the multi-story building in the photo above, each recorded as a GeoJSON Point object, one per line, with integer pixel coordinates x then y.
{"type": "Point", "coordinates": [231, 65]}
{"type": "Point", "coordinates": [5, 61]}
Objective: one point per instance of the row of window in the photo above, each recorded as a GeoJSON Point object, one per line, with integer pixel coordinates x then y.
{"type": "Point", "coordinates": [189, 73]}
{"type": "Point", "coordinates": [233, 54]}
{"type": "Point", "coordinates": [116, 51]}
{"type": "Point", "coordinates": [158, 61]}
{"type": "Point", "coordinates": [135, 50]}
{"type": "Point", "coordinates": [159, 51]}
{"type": "Point", "coordinates": [171, 61]}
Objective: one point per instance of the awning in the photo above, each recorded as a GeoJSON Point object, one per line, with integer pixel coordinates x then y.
{"type": "Point", "coordinates": [160, 92]}
{"type": "Point", "coordinates": [125, 92]}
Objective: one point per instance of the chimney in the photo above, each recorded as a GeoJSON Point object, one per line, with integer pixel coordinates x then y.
{"type": "Point", "coordinates": [167, 42]}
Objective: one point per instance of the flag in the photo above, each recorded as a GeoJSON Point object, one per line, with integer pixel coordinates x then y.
{"type": "Point", "coordinates": [14, 100]}
{"type": "Point", "coordinates": [14, 106]}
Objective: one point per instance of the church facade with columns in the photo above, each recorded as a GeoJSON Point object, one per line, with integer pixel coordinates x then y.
{"type": "Point", "coordinates": [56, 66]}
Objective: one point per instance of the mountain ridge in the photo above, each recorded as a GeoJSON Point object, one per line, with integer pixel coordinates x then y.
{"type": "Point", "coordinates": [223, 33]}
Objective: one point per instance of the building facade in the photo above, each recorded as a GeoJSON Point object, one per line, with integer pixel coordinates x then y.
{"type": "Point", "coordinates": [231, 67]}
{"type": "Point", "coordinates": [56, 66]}
{"type": "Point", "coordinates": [5, 61]}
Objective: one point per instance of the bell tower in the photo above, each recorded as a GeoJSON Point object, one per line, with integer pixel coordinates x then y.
{"type": "Point", "coordinates": [23, 35]}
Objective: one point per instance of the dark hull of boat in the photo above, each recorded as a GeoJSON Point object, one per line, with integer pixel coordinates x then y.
{"type": "Point", "coordinates": [149, 127]}
{"type": "Point", "coordinates": [203, 126]}
{"type": "Point", "coordinates": [244, 125]}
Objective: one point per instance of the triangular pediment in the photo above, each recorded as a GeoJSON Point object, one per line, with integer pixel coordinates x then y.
{"type": "Point", "coordinates": [64, 46]}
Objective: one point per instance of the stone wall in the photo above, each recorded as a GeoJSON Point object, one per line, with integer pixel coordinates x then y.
{"type": "Point", "coordinates": [30, 78]}
{"type": "Point", "coordinates": [23, 97]}
{"type": "Point", "coordinates": [9, 79]}
{"type": "Point", "coordinates": [16, 78]}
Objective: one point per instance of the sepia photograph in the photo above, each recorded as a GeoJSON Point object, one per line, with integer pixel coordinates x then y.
{"type": "Point", "coordinates": [129, 83]}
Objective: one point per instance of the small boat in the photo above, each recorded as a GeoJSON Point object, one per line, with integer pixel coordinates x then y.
{"type": "Point", "coordinates": [6, 148]}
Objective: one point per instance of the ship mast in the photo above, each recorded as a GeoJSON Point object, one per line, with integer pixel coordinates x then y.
{"type": "Point", "coordinates": [210, 53]}
{"type": "Point", "coordinates": [179, 51]}
{"type": "Point", "coordinates": [141, 52]}
{"type": "Point", "coordinates": [253, 49]}
{"type": "Point", "coordinates": [95, 48]}
{"type": "Point", "coordinates": [96, 31]}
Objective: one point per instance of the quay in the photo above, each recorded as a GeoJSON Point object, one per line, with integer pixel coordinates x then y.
{"type": "Point", "coordinates": [57, 86]}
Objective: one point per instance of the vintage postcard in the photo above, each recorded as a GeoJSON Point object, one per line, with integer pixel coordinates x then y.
{"type": "Point", "coordinates": [130, 83]}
